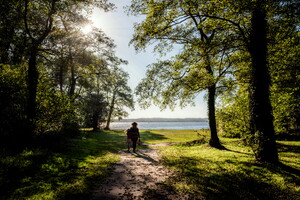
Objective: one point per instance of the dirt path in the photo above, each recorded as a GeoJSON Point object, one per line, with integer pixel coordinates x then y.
{"type": "Point", "coordinates": [137, 176]}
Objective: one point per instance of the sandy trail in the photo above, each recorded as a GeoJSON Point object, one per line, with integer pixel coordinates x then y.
{"type": "Point", "coordinates": [137, 176]}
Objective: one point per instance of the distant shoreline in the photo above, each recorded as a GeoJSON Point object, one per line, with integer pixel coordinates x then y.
{"type": "Point", "coordinates": [157, 119]}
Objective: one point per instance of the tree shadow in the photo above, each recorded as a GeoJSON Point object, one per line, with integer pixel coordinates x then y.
{"type": "Point", "coordinates": [24, 175]}
{"type": "Point", "coordinates": [288, 148]}
{"type": "Point", "coordinates": [149, 136]}
{"type": "Point", "coordinates": [251, 181]}
{"type": "Point", "coordinates": [239, 152]}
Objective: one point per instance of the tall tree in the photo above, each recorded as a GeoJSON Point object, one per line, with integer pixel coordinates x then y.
{"type": "Point", "coordinates": [35, 41]}
{"type": "Point", "coordinates": [202, 63]}
{"type": "Point", "coordinates": [38, 37]}
{"type": "Point", "coordinates": [281, 58]}
{"type": "Point", "coordinates": [39, 19]}
{"type": "Point", "coordinates": [118, 94]}
{"type": "Point", "coordinates": [261, 109]}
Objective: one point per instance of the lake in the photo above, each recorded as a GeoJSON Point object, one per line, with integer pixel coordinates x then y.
{"type": "Point", "coordinates": [162, 125]}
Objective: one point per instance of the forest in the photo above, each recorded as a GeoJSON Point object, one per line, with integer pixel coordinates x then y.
{"type": "Point", "coordinates": [54, 77]}
{"type": "Point", "coordinates": [58, 81]}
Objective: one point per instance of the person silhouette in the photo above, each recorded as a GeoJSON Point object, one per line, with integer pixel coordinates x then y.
{"type": "Point", "coordinates": [133, 135]}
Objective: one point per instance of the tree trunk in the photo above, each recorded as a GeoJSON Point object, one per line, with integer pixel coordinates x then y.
{"type": "Point", "coordinates": [72, 86]}
{"type": "Point", "coordinates": [61, 77]}
{"type": "Point", "coordinates": [32, 90]}
{"type": "Point", "coordinates": [111, 109]}
{"type": "Point", "coordinates": [95, 121]}
{"type": "Point", "coordinates": [108, 121]}
{"type": "Point", "coordinates": [261, 110]}
{"type": "Point", "coordinates": [32, 65]}
{"type": "Point", "coordinates": [214, 139]}
{"type": "Point", "coordinates": [73, 79]}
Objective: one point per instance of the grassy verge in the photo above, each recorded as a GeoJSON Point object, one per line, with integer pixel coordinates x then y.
{"type": "Point", "coordinates": [68, 173]}
{"type": "Point", "coordinates": [171, 136]}
{"type": "Point", "coordinates": [203, 172]}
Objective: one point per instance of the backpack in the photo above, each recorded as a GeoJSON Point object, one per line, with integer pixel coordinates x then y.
{"type": "Point", "coordinates": [133, 133]}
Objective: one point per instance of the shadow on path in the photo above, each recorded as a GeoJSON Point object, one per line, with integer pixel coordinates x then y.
{"type": "Point", "coordinates": [134, 176]}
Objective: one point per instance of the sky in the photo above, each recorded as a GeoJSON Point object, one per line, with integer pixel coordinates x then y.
{"type": "Point", "coordinates": [119, 26]}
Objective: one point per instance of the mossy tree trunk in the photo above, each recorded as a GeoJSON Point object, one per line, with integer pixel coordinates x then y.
{"type": "Point", "coordinates": [32, 84]}
{"type": "Point", "coordinates": [261, 110]}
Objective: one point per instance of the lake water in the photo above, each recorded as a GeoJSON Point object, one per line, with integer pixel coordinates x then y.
{"type": "Point", "coordinates": [162, 125]}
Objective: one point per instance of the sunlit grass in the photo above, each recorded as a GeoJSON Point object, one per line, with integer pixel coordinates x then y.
{"type": "Point", "coordinates": [207, 173]}
{"type": "Point", "coordinates": [289, 152]}
{"type": "Point", "coordinates": [170, 136]}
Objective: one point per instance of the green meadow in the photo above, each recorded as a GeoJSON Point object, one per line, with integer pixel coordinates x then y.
{"type": "Point", "coordinates": [72, 169]}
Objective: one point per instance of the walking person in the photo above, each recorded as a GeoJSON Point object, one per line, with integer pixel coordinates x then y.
{"type": "Point", "coordinates": [133, 135]}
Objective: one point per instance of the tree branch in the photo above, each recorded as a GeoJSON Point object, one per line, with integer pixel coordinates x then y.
{"type": "Point", "coordinates": [26, 22]}
{"type": "Point", "coordinates": [233, 23]}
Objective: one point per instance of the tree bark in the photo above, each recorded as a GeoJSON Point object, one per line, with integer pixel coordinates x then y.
{"type": "Point", "coordinates": [61, 77]}
{"type": "Point", "coordinates": [72, 84]}
{"type": "Point", "coordinates": [72, 79]}
{"type": "Point", "coordinates": [32, 89]}
{"type": "Point", "coordinates": [111, 109]}
{"type": "Point", "coordinates": [95, 121]}
{"type": "Point", "coordinates": [214, 139]}
{"type": "Point", "coordinates": [261, 109]}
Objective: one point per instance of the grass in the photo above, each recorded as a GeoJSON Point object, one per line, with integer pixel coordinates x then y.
{"type": "Point", "coordinates": [70, 172]}
{"type": "Point", "coordinates": [171, 136]}
{"type": "Point", "coordinates": [201, 172]}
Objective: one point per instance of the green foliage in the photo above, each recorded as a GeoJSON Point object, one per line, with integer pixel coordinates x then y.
{"type": "Point", "coordinates": [55, 111]}
{"type": "Point", "coordinates": [12, 40]}
{"type": "Point", "coordinates": [207, 41]}
{"type": "Point", "coordinates": [41, 92]}
{"type": "Point", "coordinates": [13, 98]}
{"type": "Point", "coordinates": [81, 68]}
{"type": "Point", "coordinates": [283, 60]}
{"type": "Point", "coordinates": [93, 110]}
{"type": "Point", "coordinates": [118, 94]}
{"type": "Point", "coordinates": [202, 62]}
{"type": "Point", "coordinates": [286, 111]}
{"type": "Point", "coordinates": [233, 117]}
{"type": "Point", "coordinates": [284, 64]}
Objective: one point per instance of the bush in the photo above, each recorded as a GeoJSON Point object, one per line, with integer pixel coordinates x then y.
{"type": "Point", "coordinates": [13, 100]}
{"type": "Point", "coordinates": [56, 112]}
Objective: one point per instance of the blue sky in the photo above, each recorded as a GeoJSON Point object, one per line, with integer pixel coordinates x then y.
{"type": "Point", "coordinates": [119, 26]}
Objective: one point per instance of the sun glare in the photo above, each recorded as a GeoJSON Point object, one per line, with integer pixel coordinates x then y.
{"type": "Point", "coordinates": [87, 28]}
{"type": "Point", "coordinates": [101, 19]}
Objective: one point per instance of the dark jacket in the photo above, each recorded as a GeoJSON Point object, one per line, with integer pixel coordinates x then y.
{"type": "Point", "coordinates": [133, 133]}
